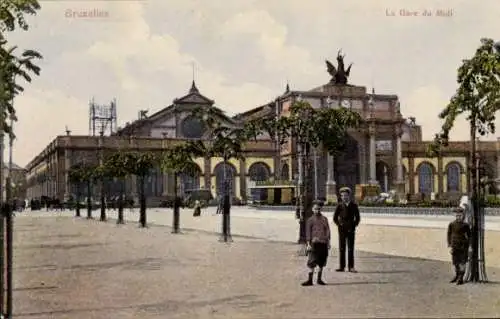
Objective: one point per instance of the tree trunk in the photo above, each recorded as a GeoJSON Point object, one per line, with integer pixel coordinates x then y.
{"type": "Point", "coordinates": [307, 198]}
{"type": "Point", "coordinates": [476, 271]}
{"type": "Point", "coordinates": [226, 209]}
{"type": "Point", "coordinates": [120, 203]}
{"type": "Point", "coordinates": [142, 203]}
{"type": "Point", "coordinates": [226, 213]}
{"type": "Point", "coordinates": [89, 200]}
{"type": "Point", "coordinates": [77, 200]}
{"type": "Point", "coordinates": [103, 202]}
{"type": "Point", "coordinates": [176, 215]}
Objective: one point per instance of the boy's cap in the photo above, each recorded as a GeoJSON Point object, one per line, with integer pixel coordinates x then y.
{"type": "Point", "coordinates": [345, 190]}
{"type": "Point", "coordinates": [458, 210]}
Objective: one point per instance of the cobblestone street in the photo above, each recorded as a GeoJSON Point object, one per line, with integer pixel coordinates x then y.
{"type": "Point", "coordinates": [76, 268]}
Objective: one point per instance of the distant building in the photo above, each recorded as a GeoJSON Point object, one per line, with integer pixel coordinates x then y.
{"type": "Point", "coordinates": [18, 181]}
{"type": "Point", "coordinates": [48, 171]}
{"type": "Point", "coordinates": [387, 150]}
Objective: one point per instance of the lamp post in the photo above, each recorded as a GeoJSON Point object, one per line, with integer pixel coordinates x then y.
{"type": "Point", "coordinates": [226, 208]}
{"type": "Point", "coordinates": [300, 183]}
{"type": "Point", "coordinates": [297, 195]}
{"type": "Point", "coordinates": [316, 191]}
{"type": "Point", "coordinates": [10, 224]}
{"type": "Point", "coordinates": [2, 227]}
{"type": "Point", "coordinates": [303, 149]}
{"type": "Point", "coordinates": [101, 162]}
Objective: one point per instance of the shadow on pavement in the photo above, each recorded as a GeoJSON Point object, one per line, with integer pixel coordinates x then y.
{"type": "Point", "coordinates": [62, 236]}
{"type": "Point", "coordinates": [131, 264]}
{"type": "Point", "coordinates": [353, 283]}
{"type": "Point", "coordinates": [59, 246]}
{"type": "Point", "coordinates": [35, 288]}
{"type": "Point", "coordinates": [69, 311]}
{"type": "Point", "coordinates": [161, 308]}
{"type": "Point", "coordinates": [36, 267]}
{"type": "Point", "coordinates": [386, 272]}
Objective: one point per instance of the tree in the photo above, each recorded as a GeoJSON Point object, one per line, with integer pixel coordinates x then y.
{"type": "Point", "coordinates": [116, 167]}
{"type": "Point", "coordinates": [83, 173]}
{"type": "Point", "coordinates": [76, 177]}
{"type": "Point", "coordinates": [225, 141]}
{"type": "Point", "coordinates": [310, 128]}
{"type": "Point", "coordinates": [89, 175]}
{"type": "Point", "coordinates": [101, 172]}
{"type": "Point", "coordinates": [12, 15]}
{"type": "Point", "coordinates": [478, 98]}
{"type": "Point", "coordinates": [140, 165]}
{"type": "Point", "coordinates": [177, 160]}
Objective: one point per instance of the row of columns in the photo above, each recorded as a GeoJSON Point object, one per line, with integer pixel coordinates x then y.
{"type": "Point", "coordinates": [331, 184]}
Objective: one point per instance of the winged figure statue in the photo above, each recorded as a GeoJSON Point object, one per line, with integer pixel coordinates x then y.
{"type": "Point", "coordinates": [339, 74]}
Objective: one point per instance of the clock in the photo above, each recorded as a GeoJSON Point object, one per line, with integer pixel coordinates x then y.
{"type": "Point", "coordinates": [347, 104]}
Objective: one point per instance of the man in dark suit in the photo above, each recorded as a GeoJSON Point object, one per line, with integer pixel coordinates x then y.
{"type": "Point", "coordinates": [346, 218]}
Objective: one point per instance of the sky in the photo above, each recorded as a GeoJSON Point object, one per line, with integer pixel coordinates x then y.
{"type": "Point", "coordinates": [244, 51]}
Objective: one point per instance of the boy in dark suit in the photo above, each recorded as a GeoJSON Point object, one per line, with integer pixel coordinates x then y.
{"type": "Point", "coordinates": [458, 238]}
{"type": "Point", "coordinates": [346, 218]}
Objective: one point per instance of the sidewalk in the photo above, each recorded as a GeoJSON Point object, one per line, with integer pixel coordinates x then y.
{"type": "Point", "coordinates": [408, 238]}
{"type": "Point", "coordinates": [76, 268]}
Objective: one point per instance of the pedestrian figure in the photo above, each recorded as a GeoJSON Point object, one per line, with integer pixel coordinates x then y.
{"type": "Point", "coordinates": [197, 208]}
{"type": "Point", "coordinates": [220, 205]}
{"type": "Point", "coordinates": [459, 234]}
{"type": "Point", "coordinates": [318, 244]}
{"type": "Point", "coordinates": [346, 218]}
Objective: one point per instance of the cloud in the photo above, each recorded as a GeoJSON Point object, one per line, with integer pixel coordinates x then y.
{"type": "Point", "coordinates": [44, 114]}
{"type": "Point", "coordinates": [244, 51]}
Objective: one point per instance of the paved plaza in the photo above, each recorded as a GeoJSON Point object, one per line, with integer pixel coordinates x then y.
{"type": "Point", "coordinates": [407, 235]}
{"type": "Point", "coordinates": [74, 268]}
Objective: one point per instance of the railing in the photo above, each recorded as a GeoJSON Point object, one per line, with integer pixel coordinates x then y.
{"type": "Point", "coordinates": [489, 211]}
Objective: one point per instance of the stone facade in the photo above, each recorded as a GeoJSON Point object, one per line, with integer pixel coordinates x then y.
{"type": "Point", "coordinates": [47, 173]}
{"type": "Point", "coordinates": [387, 150]}
{"type": "Point", "coordinates": [18, 181]}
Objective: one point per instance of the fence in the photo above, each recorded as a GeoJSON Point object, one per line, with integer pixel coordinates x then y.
{"type": "Point", "coordinates": [489, 211]}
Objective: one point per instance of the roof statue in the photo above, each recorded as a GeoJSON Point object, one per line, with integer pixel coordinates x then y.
{"type": "Point", "coordinates": [339, 74]}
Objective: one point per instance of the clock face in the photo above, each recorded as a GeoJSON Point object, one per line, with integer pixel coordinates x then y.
{"type": "Point", "coordinates": [346, 104]}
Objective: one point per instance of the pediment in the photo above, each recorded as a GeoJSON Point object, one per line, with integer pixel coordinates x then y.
{"type": "Point", "coordinates": [194, 98]}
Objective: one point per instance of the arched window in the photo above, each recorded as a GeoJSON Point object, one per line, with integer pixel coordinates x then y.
{"type": "Point", "coordinates": [425, 178]}
{"type": "Point", "coordinates": [285, 172]}
{"type": "Point", "coordinates": [190, 179]}
{"type": "Point", "coordinates": [453, 178]}
{"type": "Point", "coordinates": [224, 173]}
{"type": "Point", "coordinates": [259, 172]}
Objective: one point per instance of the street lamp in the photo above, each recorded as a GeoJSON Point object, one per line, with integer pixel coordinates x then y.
{"type": "Point", "coordinates": [300, 183]}
{"type": "Point", "coordinates": [303, 150]}
{"type": "Point", "coordinates": [101, 162]}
